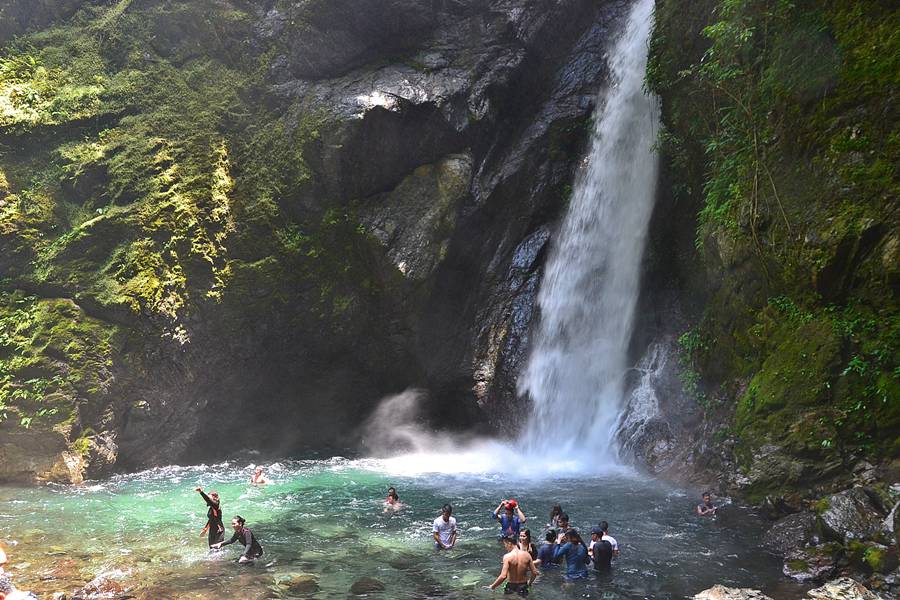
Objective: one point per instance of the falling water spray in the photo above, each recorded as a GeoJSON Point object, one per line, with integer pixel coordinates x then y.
{"type": "Point", "coordinates": [575, 374]}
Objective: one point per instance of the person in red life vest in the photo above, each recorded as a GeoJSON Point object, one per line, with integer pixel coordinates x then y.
{"type": "Point", "coordinates": [258, 477]}
{"type": "Point", "coordinates": [252, 548]}
{"type": "Point", "coordinates": [215, 528]}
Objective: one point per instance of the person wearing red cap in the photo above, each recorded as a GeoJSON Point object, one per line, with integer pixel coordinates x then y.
{"type": "Point", "coordinates": [512, 519]}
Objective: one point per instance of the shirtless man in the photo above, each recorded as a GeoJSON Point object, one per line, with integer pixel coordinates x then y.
{"type": "Point", "coordinates": [517, 565]}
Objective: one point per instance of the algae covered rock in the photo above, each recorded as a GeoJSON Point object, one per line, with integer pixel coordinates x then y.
{"type": "Point", "coordinates": [810, 564]}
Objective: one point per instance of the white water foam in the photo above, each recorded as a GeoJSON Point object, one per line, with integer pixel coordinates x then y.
{"type": "Point", "coordinates": [575, 374]}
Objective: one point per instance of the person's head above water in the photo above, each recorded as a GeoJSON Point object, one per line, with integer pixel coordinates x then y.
{"type": "Point", "coordinates": [446, 511]}
{"type": "Point", "coordinates": [707, 497]}
{"type": "Point", "coordinates": [508, 541]}
{"type": "Point", "coordinates": [392, 493]}
{"type": "Point", "coordinates": [525, 536]}
{"type": "Point", "coordinates": [259, 469]}
{"type": "Point", "coordinates": [596, 533]}
{"type": "Point", "coordinates": [573, 536]}
{"type": "Point", "coordinates": [604, 527]}
{"type": "Point", "coordinates": [564, 520]}
{"type": "Point", "coordinates": [510, 506]}
{"type": "Point", "coordinates": [238, 522]}
{"type": "Point", "coordinates": [555, 511]}
{"type": "Point", "coordinates": [214, 495]}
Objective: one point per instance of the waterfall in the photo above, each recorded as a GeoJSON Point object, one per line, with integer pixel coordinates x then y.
{"type": "Point", "coordinates": [575, 373]}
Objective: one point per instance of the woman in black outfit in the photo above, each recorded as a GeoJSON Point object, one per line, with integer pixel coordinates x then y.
{"type": "Point", "coordinates": [215, 528]}
{"type": "Point", "coordinates": [252, 548]}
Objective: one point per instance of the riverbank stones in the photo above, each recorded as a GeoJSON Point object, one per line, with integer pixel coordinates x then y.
{"type": "Point", "coordinates": [366, 585]}
{"type": "Point", "coordinates": [844, 588]}
{"type": "Point", "coordinates": [720, 592]}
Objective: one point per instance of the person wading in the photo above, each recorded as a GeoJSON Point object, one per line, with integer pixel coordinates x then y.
{"type": "Point", "coordinates": [215, 528]}
{"type": "Point", "coordinates": [252, 548]}
{"type": "Point", "coordinates": [518, 567]}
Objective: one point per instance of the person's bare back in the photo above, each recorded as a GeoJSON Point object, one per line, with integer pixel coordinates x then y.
{"type": "Point", "coordinates": [519, 565]}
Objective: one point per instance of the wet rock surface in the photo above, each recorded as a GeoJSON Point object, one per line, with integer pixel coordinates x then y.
{"type": "Point", "coordinates": [790, 533]}
{"type": "Point", "coordinates": [844, 588]}
{"type": "Point", "coordinates": [810, 564]}
{"type": "Point", "coordinates": [720, 592]}
{"type": "Point", "coordinates": [851, 515]}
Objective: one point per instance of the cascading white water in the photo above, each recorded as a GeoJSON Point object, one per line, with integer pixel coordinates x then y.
{"type": "Point", "coordinates": [575, 374]}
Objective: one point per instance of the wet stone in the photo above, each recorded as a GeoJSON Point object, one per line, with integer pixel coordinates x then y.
{"type": "Point", "coordinates": [810, 564]}
{"type": "Point", "coordinates": [720, 592]}
{"type": "Point", "coordinates": [299, 583]}
{"type": "Point", "coordinates": [790, 533]}
{"type": "Point", "coordinates": [844, 588]}
{"type": "Point", "coordinates": [366, 585]}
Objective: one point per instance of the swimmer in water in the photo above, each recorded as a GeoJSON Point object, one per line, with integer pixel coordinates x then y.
{"type": "Point", "coordinates": [214, 526]}
{"type": "Point", "coordinates": [252, 547]}
{"type": "Point", "coordinates": [258, 477]}
{"type": "Point", "coordinates": [392, 502]}
{"type": "Point", "coordinates": [706, 508]}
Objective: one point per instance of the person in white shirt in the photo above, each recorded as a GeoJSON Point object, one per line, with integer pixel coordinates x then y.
{"type": "Point", "coordinates": [604, 526]}
{"type": "Point", "coordinates": [445, 529]}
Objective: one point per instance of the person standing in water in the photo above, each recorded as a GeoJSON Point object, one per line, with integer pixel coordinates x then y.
{"type": "Point", "coordinates": [601, 551]}
{"type": "Point", "coordinates": [444, 529]}
{"type": "Point", "coordinates": [604, 527]}
{"type": "Point", "coordinates": [518, 567]}
{"type": "Point", "coordinates": [545, 552]}
{"type": "Point", "coordinates": [252, 548]}
{"type": "Point", "coordinates": [555, 513]}
{"type": "Point", "coordinates": [512, 519]}
{"type": "Point", "coordinates": [526, 544]}
{"type": "Point", "coordinates": [706, 508]}
{"type": "Point", "coordinates": [563, 528]}
{"type": "Point", "coordinates": [215, 528]}
{"type": "Point", "coordinates": [258, 477]}
{"type": "Point", "coordinates": [576, 554]}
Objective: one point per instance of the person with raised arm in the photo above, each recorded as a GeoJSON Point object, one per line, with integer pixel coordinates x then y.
{"type": "Point", "coordinates": [215, 528]}
{"type": "Point", "coordinates": [512, 518]}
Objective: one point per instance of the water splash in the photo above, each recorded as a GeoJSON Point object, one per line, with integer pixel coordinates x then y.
{"type": "Point", "coordinates": [574, 376]}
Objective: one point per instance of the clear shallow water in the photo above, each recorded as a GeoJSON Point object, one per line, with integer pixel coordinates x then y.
{"type": "Point", "coordinates": [324, 518]}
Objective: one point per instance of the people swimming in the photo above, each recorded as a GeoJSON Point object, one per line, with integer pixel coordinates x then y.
{"type": "Point", "coordinates": [444, 529]}
{"type": "Point", "coordinates": [576, 554]}
{"type": "Point", "coordinates": [258, 477]}
{"type": "Point", "coordinates": [518, 567]}
{"type": "Point", "coordinates": [545, 552]}
{"type": "Point", "coordinates": [215, 528]}
{"type": "Point", "coordinates": [252, 547]}
{"type": "Point", "coordinates": [392, 502]}
{"type": "Point", "coordinates": [706, 508]}
{"type": "Point", "coordinates": [512, 518]}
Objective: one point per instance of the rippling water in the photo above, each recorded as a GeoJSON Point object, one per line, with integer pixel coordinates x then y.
{"type": "Point", "coordinates": [324, 518]}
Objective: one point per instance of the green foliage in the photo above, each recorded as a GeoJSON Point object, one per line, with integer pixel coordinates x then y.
{"type": "Point", "coordinates": [693, 348]}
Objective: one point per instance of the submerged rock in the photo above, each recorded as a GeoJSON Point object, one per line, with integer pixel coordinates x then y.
{"type": "Point", "coordinates": [720, 592]}
{"type": "Point", "coordinates": [366, 585]}
{"type": "Point", "coordinates": [299, 583]}
{"type": "Point", "coordinates": [844, 588]}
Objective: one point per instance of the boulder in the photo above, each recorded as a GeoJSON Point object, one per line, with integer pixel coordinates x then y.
{"type": "Point", "coordinates": [104, 586]}
{"type": "Point", "coordinates": [720, 592]}
{"type": "Point", "coordinates": [810, 564]}
{"type": "Point", "coordinates": [850, 515]}
{"type": "Point", "coordinates": [790, 533]}
{"type": "Point", "coordinates": [366, 585]}
{"type": "Point", "coordinates": [299, 583]}
{"type": "Point", "coordinates": [844, 588]}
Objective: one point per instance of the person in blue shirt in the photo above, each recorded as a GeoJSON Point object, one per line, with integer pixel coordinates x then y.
{"type": "Point", "coordinates": [512, 519]}
{"type": "Point", "coordinates": [576, 554]}
{"type": "Point", "coordinates": [545, 552]}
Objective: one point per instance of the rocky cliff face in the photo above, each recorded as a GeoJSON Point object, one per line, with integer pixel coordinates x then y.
{"type": "Point", "coordinates": [774, 258]}
{"type": "Point", "coordinates": [229, 224]}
